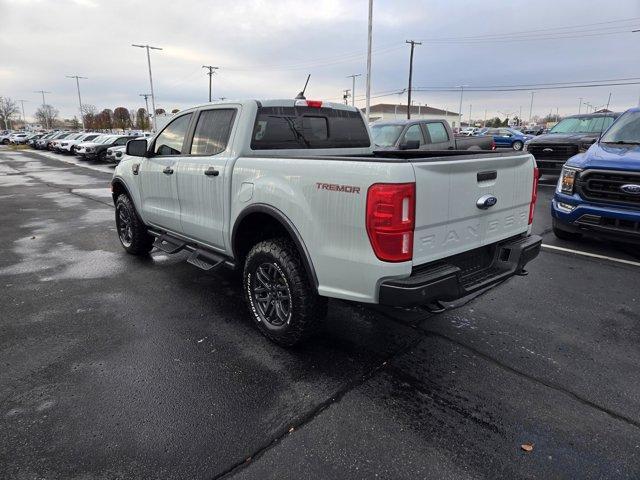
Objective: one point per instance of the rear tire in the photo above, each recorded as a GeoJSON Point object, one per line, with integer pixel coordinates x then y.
{"type": "Point", "coordinates": [517, 145]}
{"type": "Point", "coordinates": [281, 300]}
{"type": "Point", "coordinates": [132, 232]}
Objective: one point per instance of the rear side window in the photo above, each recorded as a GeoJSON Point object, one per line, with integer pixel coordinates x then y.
{"type": "Point", "coordinates": [304, 127]}
{"type": "Point", "coordinates": [212, 131]}
{"type": "Point", "coordinates": [437, 132]}
{"type": "Point", "coordinates": [170, 141]}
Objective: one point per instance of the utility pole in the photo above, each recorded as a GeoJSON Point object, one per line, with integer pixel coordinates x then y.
{"type": "Point", "coordinates": [153, 97]}
{"type": "Point", "coordinates": [79, 97]}
{"type": "Point", "coordinates": [531, 108]}
{"type": "Point", "coordinates": [210, 73]}
{"type": "Point", "coordinates": [369, 41]}
{"type": "Point", "coordinates": [345, 96]}
{"type": "Point", "coordinates": [353, 87]}
{"type": "Point", "coordinates": [46, 117]}
{"type": "Point", "coordinates": [461, 87]}
{"type": "Point", "coordinates": [24, 118]}
{"type": "Point", "coordinates": [520, 116]}
{"type": "Point", "coordinates": [580, 105]}
{"type": "Point", "coordinates": [413, 44]}
{"type": "Point", "coordinates": [146, 102]}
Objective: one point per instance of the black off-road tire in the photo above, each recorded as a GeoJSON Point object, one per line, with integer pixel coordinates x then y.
{"type": "Point", "coordinates": [306, 310]}
{"type": "Point", "coordinates": [132, 232]}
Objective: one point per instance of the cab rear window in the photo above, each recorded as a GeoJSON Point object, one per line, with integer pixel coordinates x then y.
{"type": "Point", "coordinates": [304, 127]}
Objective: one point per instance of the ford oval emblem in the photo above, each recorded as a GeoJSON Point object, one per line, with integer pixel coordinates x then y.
{"type": "Point", "coordinates": [486, 201]}
{"type": "Point", "coordinates": [631, 189]}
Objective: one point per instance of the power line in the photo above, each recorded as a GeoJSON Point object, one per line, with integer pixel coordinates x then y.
{"type": "Point", "coordinates": [471, 89]}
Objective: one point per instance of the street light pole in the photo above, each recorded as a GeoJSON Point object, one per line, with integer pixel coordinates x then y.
{"type": "Point", "coordinates": [210, 73]}
{"type": "Point", "coordinates": [153, 97]}
{"type": "Point", "coordinates": [531, 108]}
{"type": "Point", "coordinates": [369, 41]}
{"type": "Point", "coordinates": [46, 117]}
{"type": "Point", "coordinates": [580, 105]}
{"type": "Point", "coordinates": [146, 102]}
{"type": "Point", "coordinates": [461, 87]}
{"type": "Point", "coordinates": [353, 87]}
{"type": "Point", "coordinates": [79, 97]}
{"type": "Point", "coordinates": [24, 118]}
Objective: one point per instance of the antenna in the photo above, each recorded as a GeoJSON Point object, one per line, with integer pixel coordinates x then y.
{"type": "Point", "coordinates": [301, 96]}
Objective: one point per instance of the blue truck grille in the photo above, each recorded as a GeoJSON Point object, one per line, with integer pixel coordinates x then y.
{"type": "Point", "coordinates": [606, 187]}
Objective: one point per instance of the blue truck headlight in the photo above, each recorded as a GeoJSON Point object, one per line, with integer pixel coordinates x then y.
{"type": "Point", "coordinates": [566, 183]}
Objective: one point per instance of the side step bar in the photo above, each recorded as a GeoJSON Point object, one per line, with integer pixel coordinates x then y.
{"type": "Point", "coordinates": [200, 257]}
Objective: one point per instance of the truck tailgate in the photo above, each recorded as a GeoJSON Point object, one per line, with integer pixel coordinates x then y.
{"type": "Point", "coordinates": [448, 220]}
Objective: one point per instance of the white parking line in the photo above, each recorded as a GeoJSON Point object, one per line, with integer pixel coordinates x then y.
{"type": "Point", "coordinates": [592, 255]}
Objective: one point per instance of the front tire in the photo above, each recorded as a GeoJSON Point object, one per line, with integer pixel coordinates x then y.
{"type": "Point", "coordinates": [279, 294]}
{"type": "Point", "coordinates": [133, 234]}
{"type": "Point", "coordinates": [517, 145]}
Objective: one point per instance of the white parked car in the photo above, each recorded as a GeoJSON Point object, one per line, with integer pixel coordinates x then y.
{"type": "Point", "coordinates": [19, 138]}
{"type": "Point", "coordinates": [66, 145]}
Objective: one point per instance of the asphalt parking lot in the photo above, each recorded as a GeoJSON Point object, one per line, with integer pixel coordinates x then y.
{"type": "Point", "coordinates": [118, 367]}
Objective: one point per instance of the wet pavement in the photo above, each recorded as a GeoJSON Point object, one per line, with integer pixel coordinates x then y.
{"type": "Point", "coordinates": [119, 367]}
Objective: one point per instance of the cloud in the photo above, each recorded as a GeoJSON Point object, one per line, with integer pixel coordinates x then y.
{"type": "Point", "coordinates": [265, 48]}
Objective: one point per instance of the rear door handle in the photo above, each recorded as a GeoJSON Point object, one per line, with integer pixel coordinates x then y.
{"type": "Point", "coordinates": [167, 171]}
{"type": "Point", "coordinates": [212, 172]}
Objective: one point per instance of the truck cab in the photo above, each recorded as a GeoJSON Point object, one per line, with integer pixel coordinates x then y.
{"type": "Point", "coordinates": [598, 192]}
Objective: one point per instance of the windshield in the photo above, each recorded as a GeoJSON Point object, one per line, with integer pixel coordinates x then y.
{"type": "Point", "coordinates": [385, 135]}
{"type": "Point", "coordinates": [583, 125]}
{"type": "Point", "coordinates": [625, 130]}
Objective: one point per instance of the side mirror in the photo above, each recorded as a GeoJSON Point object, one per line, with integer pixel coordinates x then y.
{"type": "Point", "coordinates": [410, 145]}
{"type": "Point", "coordinates": [137, 148]}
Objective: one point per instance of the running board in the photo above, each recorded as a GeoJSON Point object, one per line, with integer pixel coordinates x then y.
{"type": "Point", "coordinates": [205, 260]}
{"type": "Point", "coordinates": [168, 244]}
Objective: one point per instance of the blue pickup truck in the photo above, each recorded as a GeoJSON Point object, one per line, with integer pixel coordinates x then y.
{"type": "Point", "coordinates": [598, 191]}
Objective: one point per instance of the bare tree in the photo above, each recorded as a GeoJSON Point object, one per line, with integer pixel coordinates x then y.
{"type": "Point", "coordinates": [105, 119]}
{"type": "Point", "coordinates": [121, 118]}
{"type": "Point", "coordinates": [8, 108]}
{"type": "Point", "coordinates": [46, 115]}
{"type": "Point", "coordinates": [142, 119]}
{"type": "Point", "coordinates": [89, 113]}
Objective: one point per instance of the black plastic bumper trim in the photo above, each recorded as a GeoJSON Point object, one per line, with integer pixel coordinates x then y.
{"type": "Point", "coordinates": [447, 282]}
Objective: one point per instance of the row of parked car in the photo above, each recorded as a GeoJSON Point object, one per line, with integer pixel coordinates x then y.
{"type": "Point", "coordinates": [86, 145]}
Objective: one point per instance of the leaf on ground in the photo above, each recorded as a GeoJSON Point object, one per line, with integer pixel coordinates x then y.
{"type": "Point", "coordinates": [527, 447]}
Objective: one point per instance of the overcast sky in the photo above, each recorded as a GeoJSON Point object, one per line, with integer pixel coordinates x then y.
{"type": "Point", "coordinates": [266, 48]}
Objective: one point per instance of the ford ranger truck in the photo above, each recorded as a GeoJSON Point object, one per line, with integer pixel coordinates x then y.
{"type": "Point", "coordinates": [290, 193]}
{"type": "Point", "coordinates": [598, 192]}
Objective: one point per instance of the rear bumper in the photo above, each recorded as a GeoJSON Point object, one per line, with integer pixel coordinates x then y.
{"type": "Point", "coordinates": [456, 277]}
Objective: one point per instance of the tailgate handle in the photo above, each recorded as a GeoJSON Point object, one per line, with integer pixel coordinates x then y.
{"type": "Point", "coordinates": [489, 175]}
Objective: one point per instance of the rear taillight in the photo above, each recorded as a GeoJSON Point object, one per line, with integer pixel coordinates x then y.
{"type": "Point", "coordinates": [493, 144]}
{"type": "Point", "coordinates": [534, 195]}
{"type": "Point", "coordinates": [391, 211]}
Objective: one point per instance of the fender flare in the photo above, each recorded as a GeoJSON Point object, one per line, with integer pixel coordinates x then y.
{"type": "Point", "coordinates": [120, 182]}
{"type": "Point", "coordinates": [288, 226]}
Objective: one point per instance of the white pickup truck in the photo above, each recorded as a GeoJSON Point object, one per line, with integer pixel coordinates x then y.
{"type": "Point", "coordinates": [291, 193]}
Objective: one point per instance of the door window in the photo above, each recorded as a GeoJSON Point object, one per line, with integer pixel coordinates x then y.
{"type": "Point", "coordinates": [212, 131]}
{"type": "Point", "coordinates": [414, 132]}
{"type": "Point", "coordinates": [437, 132]}
{"type": "Point", "coordinates": [170, 141]}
